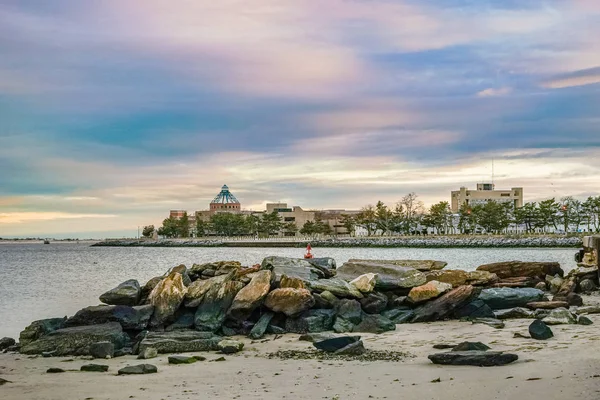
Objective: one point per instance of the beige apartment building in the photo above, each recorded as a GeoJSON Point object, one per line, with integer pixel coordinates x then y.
{"type": "Point", "coordinates": [485, 192]}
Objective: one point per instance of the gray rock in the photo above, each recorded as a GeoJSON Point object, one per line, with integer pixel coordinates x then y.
{"type": "Point", "coordinates": [539, 330]}
{"type": "Point", "coordinates": [54, 370]}
{"type": "Point", "coordinates": [6, 342]}
{"type": "Point", "coordinates": [180, 341]}
{"type": "Point", "coordinates": [185, 320]}
{"type": "Point", "coordinates": [444, 306]}
{"type": "Point", "coordinates": [250, 297]}
{"type": "Point", "coordinates": [560, 316]}
{"type": "Point", "coordinates": [123, 351]}
{"type": "Point", "coordinates": [504, 297]}
{"type": "Point", "coordinates": [336, 286]}
{"type": "Point", "coordinates": [389, 276]}
{"type": "Point", "coordinates": [353, 349]}
{"type": "Point", "coordinates": [77, 340]}
{"type": "Point", "coordinates": [179, 359]}
{"type": "Point", "coordinates": [475, 309]}
{"type": "Point", "coordinates": [166, 297]}
{"type": "Point", "coordinates": [471, 346]}
{"type": "Point", "coordinates": [39, 328]}
{"type": "Point", "coordinates": [374, 323]}
{"type": "Point", "coordinates": [587, 286]}
{"type": "Point", "coordinates": [311, 321]}
{"type": "Point", "coordinates": [374, 303]}
{"type": "Point", "coordinates": [476, 358]}
{"type": "Point", "coordinates": [259, 329]}
{"type": "Point", "coordinates": [583, 320]}
{"type": "Point", "coordinates": [304, 269]}
{"type": "Point", "coordinates": [102, 350]}
{"type": "Point", "coordinates": [588, 310]}
{"type": "Point", "coordinates": [126, 294]}
{"type": "Point", "coordinates": [148, 353]}
{"type": "Point", "coordinates": [514, 313]}
{"type": "Point", "coordinates": [329, 298]}
{"type": "Point", "coordinates": [349, 310]}
{"type": "Point", "coordinates": [511, 269]}
{"type": "Point", "coordinates": [212, 312]}
{"type": "Point", "coordinates": [421, 265]}
{"type": "Point", "coordinates": [315, 337]}
{"type": "Point", "coordinates": [334, 344]}
{"type": "Point", "coordinates": [494, 323]}
{"type": "Point", "coordinates": [94, 368]}
{"type": "Point", "coordinates": [573, 299]}
{"type": "Point", "coordinates": [138, 369]}
{"type": "Point", "coordinates": [230, 346]}
{"type": "Point", "coordinates": [399, 315]}
{"type": "Point", "coordinates": [133, 318]}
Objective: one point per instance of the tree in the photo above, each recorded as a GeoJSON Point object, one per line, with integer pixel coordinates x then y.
{"type": "Point", "coordinates": [571, 213]}
{"type": "Point", "coordinates": [169, 228]}
{"type": "Point", "coordinates": [383, 218]}
{"type": "Point", "coordinates": [592, 209]}
{"type": "Point", "coordinates": [290, 228]}
{"type": "Point", "coordinates": [148, 231]}
{"type": "Point", "coordinates": [412, 209]}
{"type": "Point", "coordinates": [183, 226]}
{"type": "Point", "coordinates": [439, 216]}
{"type": "Point", "coordinates": [202, 227]}
{"type": "Point", "coordinates": [322, 227]}
{"type": "Point", "coordinates": [367, 218]}
{"type": "Point", "coordinates": [348, 222]}
{"type": "Point", "coordinates": [270, 223]}
{"type": "Point", "coordinates": [228, 224]}
{"type": "Point", "coordinates": [492, 216]}
{"type": "Point", "coordinates": [252, 224]}
{"type": "Point", "coordinates": [308, 229]}
{"type": "Point", "coordinates": [466, 222]}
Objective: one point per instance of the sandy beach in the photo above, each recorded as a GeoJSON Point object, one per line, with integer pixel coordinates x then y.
{"type": "Point", "coordinates": [564, 367]}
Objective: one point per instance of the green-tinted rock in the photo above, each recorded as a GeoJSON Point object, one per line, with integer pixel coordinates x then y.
{"type": "Point", "coordinates": [138, 369]}
{"type": "Point", "coordinates": [94, 368]}
{"type": "Point", "coordinates": [126, 294]}
{"type": "Point", "coordinates": [177, 359]}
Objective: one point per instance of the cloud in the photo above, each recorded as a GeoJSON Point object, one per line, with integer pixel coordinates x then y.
{"type": "Point", "coordinates": [578, 78]}
{"type": "Point", "coordinates": [493, 92]}
{"type": "Point", "coordinates": [20, 217]}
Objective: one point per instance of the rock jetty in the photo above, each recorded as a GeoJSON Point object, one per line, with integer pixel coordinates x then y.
{"type": "Point", "coordinates": [195, 309]}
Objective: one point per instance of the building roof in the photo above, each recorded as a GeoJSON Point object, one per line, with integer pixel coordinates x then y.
{"type": "Point", "coordinates": [225, 197]}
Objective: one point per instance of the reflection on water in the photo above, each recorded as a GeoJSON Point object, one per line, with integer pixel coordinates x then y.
{"type": "Point", "coordinates": [42, 281]}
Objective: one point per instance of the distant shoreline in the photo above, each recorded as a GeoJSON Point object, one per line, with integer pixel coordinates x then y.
{"type": "Point", "coordinates": [402, 242]}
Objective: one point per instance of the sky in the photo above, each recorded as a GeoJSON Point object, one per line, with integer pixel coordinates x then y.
{"type": "Point", "coordinates": [114, 112]}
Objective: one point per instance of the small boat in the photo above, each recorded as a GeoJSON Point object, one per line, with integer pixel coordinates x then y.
{"type": "Point", "coordinates": [46, 241]}
{"type": "Point", "coordinates": [308, 254]}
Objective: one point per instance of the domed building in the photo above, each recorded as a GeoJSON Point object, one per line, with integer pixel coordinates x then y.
{"type": "Point", "coordinates": [225, 201]}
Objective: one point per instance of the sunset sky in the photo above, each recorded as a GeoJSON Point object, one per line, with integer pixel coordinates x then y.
{"type": "Point", "coordinates": [113, 112]}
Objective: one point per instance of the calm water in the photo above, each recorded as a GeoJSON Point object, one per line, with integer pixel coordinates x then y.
{"type": "Point", "coordinates": [42, 281]}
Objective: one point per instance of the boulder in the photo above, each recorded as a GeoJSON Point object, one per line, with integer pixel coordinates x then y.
{"type": "Point", "coordinates": [259, 329]}
{"type": "Point", "coordinates": [304, 269]}
{"type": "Point", "coordinates": [329, 298]}
{"type": "Point", "coordinates": [180, 342]}
{"type": "Point", "coordinates": [322, 302]}
{"type": "Point", "coordinates": [374, 323]}
{"type": "Point", "coordinates": [54, 370]}
{"type": "Point", "coordinates": [471, 346]}
{"type": "Point", "coordinates": [428, 291]}
{"type": "Point", "coordinates": [6, 342]}
{"type": "Point", "coordinates": [514, 313]}
{"type": "Point", "coordinates": [311, 321]}
{"type": "Point", "coordinates": [583, 320]}
{"type": "Point", "coordinates": [474, 309]}
{"type": "Point", "coordinates": [568, 286]}
{"type": "Point", "coordinates": [138, 369]}
{"type": "Point", "coordinates": [444, 306]}
{"type": "Point", "coordinates": [126, 294]}
{"type": "Point", "coordinates": [77, 340]}
{"type": "Point", "coordinates": [213, 311]}
{"type": "Point", "coordinates": [288, 282]}
{"type": "Point", "coordinates": [510, 269]}
{"type": "Point", "coordinates": [198, 289]}
{"type": "Point", "coordinates": [94, 368]}
{"type": "Point", "coordinates": [148, 353]}
{"type": "Point", "coordinates": [421, 265]}
{"type": "Point", "coordinates": [582, 271]}
{"type": "Point", "coordinates": [476, 358]}
{"type": "Point", "coordinates": [230, 346]}
{"type": "Point", "coordinates": [251, 296]}
{"type": "Point", "coordinates": [181, 269]}
{"type": "Point", "coordinates": [389, 276]}
{"type": "Point", "coordinates": [213, 269]}
{"type": "Point", "coordinates": [336, 286]}
{"type": "Point", "coordinates": [588, 310]}
{"type": "Point", "coordinates": [554, 284]}
{"type": "Point", "coordinates": [334, 344]}
{"type": "Point", "coordinates": [181, 359]}
{"type": "Point", "coordinates": [500, 298]}
{"type": "Point", "coordinates": [519, 282]}
{"type": "Point", "coordinates": [102, 350]}
{"type": "Point", "coordinates": [39, 328]}
{"type": "Point", "coordinates": [587, 286]}
{"type": "Point", "coordinates": [365, 283]}
{"type": "Point", "coordinates": [184, 320]}
{"type": "Point", "coordinates": [574, 300]}
{"type": "Point", "coordinates": [166, 298]}
{"type": "Point", "coordinates": [399, 315]}
{"type": "Point", "coordinates": [289, 301]}
{"type": "Point", "coordinates": [131, 318]}
{"type": "Point", "coordinates": [560, 316]}
{"type": "Point", "coordinates": [547, 305]}
{"type": "Point", "coordinates": [348, 314]}
{"type": "Point", "coordinates": [540, 313]}
{"type": "Point", "coordinates": [148, 288]}
{"type": "Point", "coordinates": [374, 303]}
{"type": "Point", "coordinates": [353, 349]}
{"type": "Point", "coordinates": [539, 330]}
{"type": "Point", "coordinates": [457, 277]}
{"type": "Point", "coordinates": [481, 278]}
{"type": "Point", "coordinates": [541, 286]}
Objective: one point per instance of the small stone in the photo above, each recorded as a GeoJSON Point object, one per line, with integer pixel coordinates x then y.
{"type": "Point", "coordinates": [494, 323]}
{"type": "Point", "coordinates": [353, 349]}
{"type": "Point", "coordinates": [54, 370]}
{"type": "Point", "coordinates": [335, 344]}
{"type": "Point", "coordinates": [148, 353]}
{"type": "Point", "coordinates": [177, 359]}
{"type": "Point", "coordinates": [47, 354]}
{"type": "Point", "coordinates": [539, 330]}
{"type": "Point", "coordinates": [574, 300]}
{"type": "Point", "coordinates": [94, 368]}
{"type": "Point", "coordinates": [560, 316]}
{"type": "Point", "coordinates": [476, 358]}
{"type": "Point", "coordinates": [219, 359]}
{"type": "Point", "coordinates": [520, 335]}
{"type": "Point", "coordinates": [138, 369]}
{"type": "Point", "coordinates": [541, 286]}
{"type": "Point", "coordinates": [583, 320]}
{"type": "Point", "coordinates": [443, 346]}
{"type": "Point", "coordinates": [230, 346]}
{"type": "Point", "coordinates": [6, 342]}
{"type": "Point", "coordinates": [3, 381]}
{"type": "Point", "coordinates": [102, 349]}
{"type": "Point", "coordinates": [587, 286]}
{"type": "Point", "coordinates": [468, 346]}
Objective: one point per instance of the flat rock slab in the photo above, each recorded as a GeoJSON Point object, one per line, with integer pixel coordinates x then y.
{"type": "Point", "coordinates": [54, 370]}
{"type": "Point", "coordinates": [509, 269]}
{"type": "Point", "coordinates": [494, 323]}
{"type": "Point", "coordinates": [315, 337]}
{"type": "Point", "coordinates": [501, 298]}
{"type": "Point", "coordinates": [421, 265]}
{"type": "Point", "coordinates": [476, 358]}
{"type": "Point", "coordinates": [471, 346]}
{"type": "Point", "coordinates": [335, 344]}
{"type": "Point", "coordinates": [138, 369]}
{"type": "Point", "coordinates": [547, 305]}
{"type": "Point", "coordinates": [182, 359]}
{"type": "Point", "coordinates": [94, 368]}
{"type": "Point", "coordinates": [230, 346]}
{"type": "Point", "coordinates": [181, 341]}
{"type": "Point", "coordinates": [353, 349]}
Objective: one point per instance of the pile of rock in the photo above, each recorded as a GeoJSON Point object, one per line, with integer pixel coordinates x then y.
{"type": "Point", "coordinates": [193, 309]}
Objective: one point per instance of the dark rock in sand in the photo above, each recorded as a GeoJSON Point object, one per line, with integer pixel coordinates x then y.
{"type": "Point", "coordinates": [54, 370]}
{"type": "Point", "coordinates": [443, 346]}
{"type": "Point", "coordinates": [315, 337]}
{"type": "Point", "coordinates": [514, 313]}
{"type": "Point", "coordinates": [77, 340]}
{"type": "Point", "coordinates": [444, 306]}
{"type": "Point", "coordinates": [501, 298]}
{"type": "Point", "coordinates": [583, 320]}
{"type": "Point", "coordinates": [94, 368]}
{"type": "Point", "coordinates": [180, 341]}
{"type": "Point", "coordinates": [335, 344]}
{"type": "Point", "coordinates": [126, 294]}
{"type": "Point", "coordinates": [179, 359]}
{"type": "Point", "coordinates": [259, 329]}
{"type": "Point", "coordinates": [476, 358]}
{"type": "Point", "coordinates": [138, 369]}
{"type": "Point", "coordinates": [475, 309]}
{"type": "Point", "coordinates": [185, 320]}
{"type": "Point", "coordinates": [102, 350]}
{"type": "Point", "coordinates": [6, 342]}
{"type": "Point", "coordinates": [230, 346]}
{"type": "Point", "coordinates": [493, 322]}
{"type": "Point", "coordinates": [510, 269]}
{"type": "Point", "coordinates": [539, 330]}
{"type": "Point", "coordinates": [575, 300]}
{"type": "Point", "coordinates": [399, 315]}
{"type": "Point", "coordinates": [311, 321]}
{"type": "Point", "coordinates": [39, 328]}
{"type": "Point", "coordinates": [374, 323]}
{"type": "Point", "coordinates": [131, 318]}
{"type": "Point", "coordinates": [374, 303]}
{"type": "Point", "coordinates": [471, 346]}
{"type": "Point", "coordinates": [547, 305]}
{"type": "Point", "coordinates": [353, 349]}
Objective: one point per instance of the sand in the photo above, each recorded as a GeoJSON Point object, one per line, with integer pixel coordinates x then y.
{"type": "Point", "coordinates": [564, 367]}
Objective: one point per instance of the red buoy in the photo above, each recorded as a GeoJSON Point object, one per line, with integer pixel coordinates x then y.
{"type": "Point", "coordinates": [308, 254]}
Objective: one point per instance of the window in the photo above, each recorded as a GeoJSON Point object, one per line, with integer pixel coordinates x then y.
{"type": "Point", "coordinates": [504, 194]}
{"type": "Point", "coordinates": [289, 219]}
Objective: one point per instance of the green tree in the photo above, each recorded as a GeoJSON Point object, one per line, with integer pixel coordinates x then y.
{"type": "Point", "coordinates": [322, 227]}
{"type": "Point", "coordinates": [308, 229]}
{"type": "Point", "coordinates": [270, 223]}
{"type": "Point", "coordinates": [439, 216]}
{"type": "Point", "coordinates": [228, 224]}
{"type": "Point", "coordinates": [466, 222]}
{"type": "Point", "coordinates": [367, 218]}
{"type": "Point", "coordinates": [169, 228]}
{"type": "Point", "coordinates": [252, 224]}
{"type": "Point", "coordinates": [592, 209]}
{"type": "Point", "coordinates": [384, 218]}
{"type": "Point", "coordinates": [202, 227]}
{"type": "Point", "coordinates": [527, 215]}
{"type": "Point", "coordinates": [413, 210]}
{"type": "Point", "coordinates": [148, 231]}
{"type": "Point", "coordinates": [571, 213]}
{"type": "Point", "coordinates": [183, 226]}
{"type": "Point", "coordinates": [290, 228]}
{"type": "Point", "coordinates": [547, 211]}
{"type": "Point", "coordinates": [348, 222]}
{"type": "Point", "coordinates": [492, 216]}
